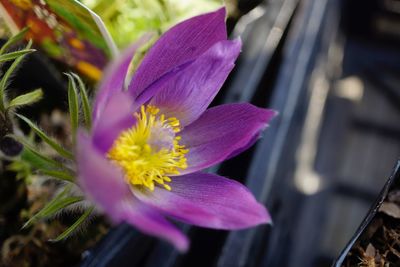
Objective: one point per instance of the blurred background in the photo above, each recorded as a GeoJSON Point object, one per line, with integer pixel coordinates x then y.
{"type": "Point", "coordinates": [331, 68]}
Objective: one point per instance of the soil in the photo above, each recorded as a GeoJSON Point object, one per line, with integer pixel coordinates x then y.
{"type": "Point", "coordinates": [379, 245]}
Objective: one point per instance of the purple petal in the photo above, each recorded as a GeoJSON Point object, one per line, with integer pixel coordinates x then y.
{"type": "Point", "coordinates": [117, 115]}
{"type": "Point", "coordinates": [114, 76]}
{"type": "Point", "coordinates": [105, 185]}
{"type": "Point", "coordinates": [182, 43]}
{"type": "Point", "coordinates": [189, 93]}
{"type": "Point", "coordinates": [208, 200]}
{"type": "Point", "coordinates": [159, 84]}
{"type": "Point", "coordinates": [221, 132]}
{"type": "Point", "coordinates": [150, 221]}
{"type": "Point", "coordinates": [99, 178]}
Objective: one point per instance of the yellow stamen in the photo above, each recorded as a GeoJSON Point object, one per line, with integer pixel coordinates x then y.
{"type": "Point", "coordinates": [150, 152]}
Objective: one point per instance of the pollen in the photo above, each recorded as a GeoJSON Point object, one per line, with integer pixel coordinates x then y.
{"type": "Point", "coordinates": [149, 152]}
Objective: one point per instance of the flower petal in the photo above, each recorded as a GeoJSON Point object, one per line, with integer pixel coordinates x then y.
{"type": "Point", "coordinates": [208, 200]}
{"type": "Point", "coordinates": [182, 43]}
{"type": "Point", "coordinates": [160, 83]}
{"type": "Point", "coordinates": [105, 185]}
{"type": "Point", "coordinates": [99, 178]}
{"type": "Point", "coordinates": [116, 116]}
{"type": "Point", "coordinates": [221, 132]}
{"type": "Point", "coordinates": [114, 76]}
{"type": "Point", "coordinates": [150, 221]}
{"type": "Point", "coordinates": [189, 93]}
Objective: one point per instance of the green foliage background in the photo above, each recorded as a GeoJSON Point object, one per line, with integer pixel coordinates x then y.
{"type": "Point", "coordinates": [127, 20]}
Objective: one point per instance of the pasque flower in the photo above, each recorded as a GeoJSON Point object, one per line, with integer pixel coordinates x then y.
{"type": "Point", "coordinates": [141, 163]}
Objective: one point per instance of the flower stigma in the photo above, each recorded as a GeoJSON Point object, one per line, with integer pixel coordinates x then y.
{"type": "Point", "coordinates": [150, 152]}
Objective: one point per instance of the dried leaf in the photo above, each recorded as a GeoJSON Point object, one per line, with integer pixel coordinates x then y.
{"type": "Point", "coordinates": [390, 209]}
{"type": "Point", "coordinates": [370, 251]}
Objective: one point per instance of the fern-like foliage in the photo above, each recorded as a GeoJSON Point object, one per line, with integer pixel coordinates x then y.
{"type": "Point", "coordinates": [8, 146]}
{"type": "Point", "coordinates": [60, 167]}
{"type": "Point", "coordinates": [28, 159]}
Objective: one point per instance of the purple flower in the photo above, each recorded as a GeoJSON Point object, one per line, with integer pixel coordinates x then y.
{"type": "Point", "coordinates": [142, 161]}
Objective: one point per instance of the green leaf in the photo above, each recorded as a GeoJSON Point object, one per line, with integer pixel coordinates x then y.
{"type": "Point", "coordinates": [35, 158]}
{"type": "Point", "coordinates": [44, 164]}
{"type": "Point", "coordinates": [4, 79]}
{"type": "Point", "coordinates": [38, 160]}
{"type": "Point", "coordinates": [26, 99]}
{"type": "Point", "coordinates": [14, 39]}
{"type": "Point", "coordinates": [85, 102]}
{"type": "Point", "coordinates": [58, 203]}
{"type": "Point", "coordinates": [21, 168]}
{"type": "Point", "coordinates": [73, 227]}
{"type": "Point", "coordinates": [73, 103]}
{"type": "Point", "coordinates": [58, 174]}
{"type": "Point", "coordinates": [51, 142]}
{"type": "Point", "coordinates": [14, 55]}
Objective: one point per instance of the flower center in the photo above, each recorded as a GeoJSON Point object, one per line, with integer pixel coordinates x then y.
{"type": "Point", "coordinates": [149, 152]}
